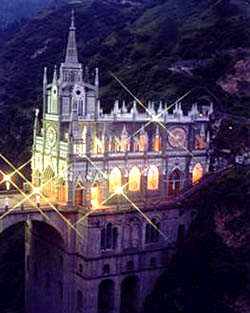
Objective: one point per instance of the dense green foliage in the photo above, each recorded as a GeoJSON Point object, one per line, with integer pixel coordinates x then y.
{"type": "Point", "coordinates": [138, 43]}
{"type": "Point", "coordinates": [15, 10]}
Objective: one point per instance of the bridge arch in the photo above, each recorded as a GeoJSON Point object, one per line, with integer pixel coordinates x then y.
{"type": "Point", "coordinates": [12, 219]}
{"type": "Point", "coordinates": [35, 248]}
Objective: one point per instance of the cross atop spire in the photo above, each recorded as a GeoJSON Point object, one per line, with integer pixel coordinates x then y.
{"type": "Point", "coordinates": [72, 20]}
{"type": "Point", "coordinates": [71, 53]}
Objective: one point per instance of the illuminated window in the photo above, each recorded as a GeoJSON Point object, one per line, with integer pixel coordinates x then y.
{"type": "Point", "coordinates": [157, 144]}
{"type": "Point", "coordinates": [142, 143]}
{"type": "Point", "coordinates": [36, 178]}
{"type": "Point", "coordinates": [95, 195]}
{"type": "Point", "coordinates": [123, 144]}
{"type": "Point", "coordinates": [115, 179]}
{"type": "Point", "coordinates": [61, 191]}
{"type": "Point", "coordinates": [98, 146]}
{"type": "Point", "coordinates": [78, 147]}
{"type": "Point", "coordinates": [78, 195]}
{"type": "Point", "coordinates": [153, 178]}
{"type": "Point", "coordinates": [134, 181]}
{"type": "Point", "coordinates": [49, 188]}
{"type": "Point", "coordinates": [200, 142]}
{"type": "Point", "coordinates": [197, 173]}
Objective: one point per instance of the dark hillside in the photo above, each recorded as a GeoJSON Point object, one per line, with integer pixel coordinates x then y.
{"type": "Point", "coordinates": [210, 271]}
{"type": "Point", "coordinates": [160, 50]}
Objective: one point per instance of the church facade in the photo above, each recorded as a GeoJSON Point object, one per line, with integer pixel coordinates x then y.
{"type": "Point", "coordinates": [119, 171]}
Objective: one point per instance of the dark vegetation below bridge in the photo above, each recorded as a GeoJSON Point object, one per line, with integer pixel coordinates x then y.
{"type": "Point", "coordinates": [210, 270]}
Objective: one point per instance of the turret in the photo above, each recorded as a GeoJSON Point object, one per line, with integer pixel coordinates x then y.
{"type": "Point", "coordinates": [36, 128]}
{"type": "Point", "coordinates": [160, 109]}
{"type": "Point", "coordinates": [45, 79]}
{"type": "Point", "coordinates": [45, 82]}
{"type": "Point", "coordinates": [116, 108]}
{"type": "Point", "coordinates": [124, 108]}
{"type": "Point", "coordinates": [55, 75]}
{"type": "Point", "coordinates": [86, 78]}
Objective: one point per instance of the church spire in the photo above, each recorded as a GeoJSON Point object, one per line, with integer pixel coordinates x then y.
{"type": "Point", "coordinates": [71, 53]}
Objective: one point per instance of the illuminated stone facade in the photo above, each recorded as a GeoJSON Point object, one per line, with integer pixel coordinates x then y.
{"type": "Point", "coordinates": [86, 160]}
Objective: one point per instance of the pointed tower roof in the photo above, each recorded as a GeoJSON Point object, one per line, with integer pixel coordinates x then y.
{"type": "Point", "coordinates": [71, 53]}
{"type": "Point", "coordinates": [124, 130]}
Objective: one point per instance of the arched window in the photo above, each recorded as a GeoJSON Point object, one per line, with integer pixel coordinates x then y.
{"type": "Point", "coordinates": [109, 236]}
{"type": "Point", "coordinates": [115, 179]}
{"type": "Point", "coordinates": [95, 195]}
{"type": "Point", "coordinates": [78, 195]}
{"type": "Point", "coordinates": [142, 142]}
{"type": "Point", "coordinates": [134, 181]}
{"type": "Point", "coordinates": [152, 232]}
{"type": "Point", "coordinates": [174, 183]}
{"type": "Point", "coordinates": [124, 141]}
{"type": "Point", "coordinates": [157, 141]}
{"type": "Point", "coordinates": [79, 302]}
{"type": "Point", "coordinates": [49, 189]}
{"type": "Point", "coordinates": [98, 145]}
{"type": "Point", "coordinates": [197, 173]}
{"type": "Point", "coordinates": [61, 191]}
{"type": "Point", "coordinates": [153, 178]}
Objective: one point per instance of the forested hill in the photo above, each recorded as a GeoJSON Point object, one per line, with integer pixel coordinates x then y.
{"type": "Point", "coordinates": [160, 49]}
{"type": "Point", "coordinates": [14, 10]}
{"type": "Point", "coordinates": [210, 272]}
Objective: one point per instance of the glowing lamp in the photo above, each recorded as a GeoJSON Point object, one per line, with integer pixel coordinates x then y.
{"type": "Point", "coordinates": [94, 203]}
{"type": "Point", "coordinates": [155, 118]}
{"type": "Point", "coordinates": [119, 190]}
{"type": "Point", "coordinates": [36, 190]}
{"type": "Point", "coordinates": [7, 179]}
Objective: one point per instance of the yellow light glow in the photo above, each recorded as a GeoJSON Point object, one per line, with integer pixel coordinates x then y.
{"type": "Point", "coordinates": [197, 173]}
{"type": "Point", "coordinates": [119, 190]}
{"type": "Point", "coordinates": [94, 191]}
{"type": "Point", "coordinates": [36, 190]}
{"type": "Point", "coordinates": [155, 118]}
{"type": "Point", "coordinates": [7, 178]}
{"type": "Point", "coordinates": [134, 180]}
{"type": "Point", "coordinates": [115, 179]}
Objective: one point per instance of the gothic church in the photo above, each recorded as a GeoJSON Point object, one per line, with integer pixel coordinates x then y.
{"type": "Point", "coordinates": [122, 170]}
